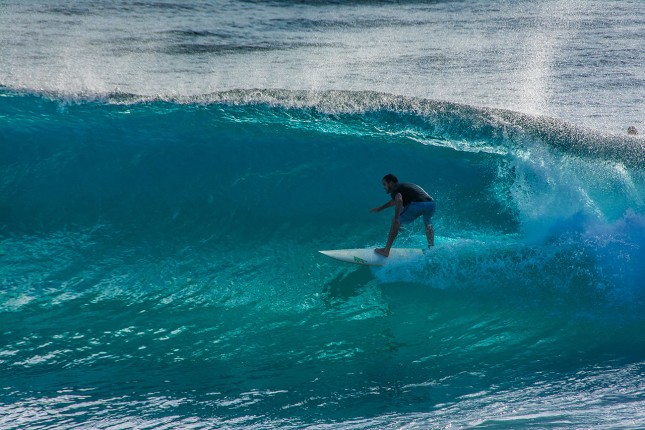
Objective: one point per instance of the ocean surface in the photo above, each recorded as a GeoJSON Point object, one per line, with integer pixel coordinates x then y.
{"type": "Point", "coordinates": [169, 170]}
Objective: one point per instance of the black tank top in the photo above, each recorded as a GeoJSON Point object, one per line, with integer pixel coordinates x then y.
{"type": "Point", "coordinates": [411, 193]}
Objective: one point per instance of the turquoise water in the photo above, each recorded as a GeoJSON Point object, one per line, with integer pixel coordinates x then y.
{"type": "Point", "coordinates": [159, 234]}
{"type": "Point", "coordinates": [159, 267]}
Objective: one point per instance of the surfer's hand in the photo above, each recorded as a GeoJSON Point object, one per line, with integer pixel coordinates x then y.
{"type": "Point", "coordinates": [375, 210]}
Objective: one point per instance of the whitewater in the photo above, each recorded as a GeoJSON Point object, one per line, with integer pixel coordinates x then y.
{"type": "Point", "coordinates": [169, 171]}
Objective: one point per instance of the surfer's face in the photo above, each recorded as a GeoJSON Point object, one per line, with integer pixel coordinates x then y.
{"type": "Point", "coordinates": [387, 186]}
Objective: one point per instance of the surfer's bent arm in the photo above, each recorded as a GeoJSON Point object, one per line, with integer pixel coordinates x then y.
{"type": "Point", "coordinates": [385, 206]}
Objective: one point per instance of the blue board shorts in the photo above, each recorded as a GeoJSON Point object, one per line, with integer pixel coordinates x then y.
{"type": "Point", "coordinates": [415, 209]}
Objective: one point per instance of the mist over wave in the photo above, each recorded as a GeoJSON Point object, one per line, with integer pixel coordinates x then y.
{"type": "Point", "coordinates": [567, 59]}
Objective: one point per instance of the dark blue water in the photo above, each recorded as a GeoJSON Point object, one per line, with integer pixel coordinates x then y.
{"type": "Point", "coordinates": [160, 222]}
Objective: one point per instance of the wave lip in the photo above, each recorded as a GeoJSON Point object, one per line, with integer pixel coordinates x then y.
{"type": "Point", "coordinates": [423, 120]}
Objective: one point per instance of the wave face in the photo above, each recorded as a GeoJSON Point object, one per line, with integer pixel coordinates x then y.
{"type": "Point", "coordinates": [159, 264]}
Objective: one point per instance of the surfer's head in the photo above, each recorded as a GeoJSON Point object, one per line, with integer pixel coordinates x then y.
{"type": "Point", "coordinates": [389, 182]}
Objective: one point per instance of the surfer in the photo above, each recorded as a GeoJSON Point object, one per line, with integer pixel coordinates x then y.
{"type": "Point", "coordinates": [631, 130]}
{"type": "Point", "coordinates": [410, 201]}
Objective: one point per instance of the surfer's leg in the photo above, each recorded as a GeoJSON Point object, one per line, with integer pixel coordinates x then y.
{"type": "Point", "coordinates": [430, 234]}
{"type": "Point", "coordinates": [394, 229]}
{"type": "Point", "coordinates": [427, 220]}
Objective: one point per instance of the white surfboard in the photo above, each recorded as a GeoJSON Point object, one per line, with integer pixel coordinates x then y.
{"type": "Point", "coordinates": [367, 256]}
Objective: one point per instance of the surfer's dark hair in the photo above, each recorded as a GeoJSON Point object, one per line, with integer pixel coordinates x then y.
{"type": "Point", "coordinates": [390, 178]}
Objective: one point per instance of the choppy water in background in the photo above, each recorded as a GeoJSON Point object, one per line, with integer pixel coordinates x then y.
{"type": "Point", "coordinates": [169, 170]}
{"type": "Point", "coordinates": [575, 60]}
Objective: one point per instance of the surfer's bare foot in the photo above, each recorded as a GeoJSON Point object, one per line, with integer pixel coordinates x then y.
{"type": "Point", "coordinates": [382, 251]}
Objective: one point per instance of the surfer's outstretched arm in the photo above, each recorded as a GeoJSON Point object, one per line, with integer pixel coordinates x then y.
{"type": "Point", "coordinates": [383, 206]}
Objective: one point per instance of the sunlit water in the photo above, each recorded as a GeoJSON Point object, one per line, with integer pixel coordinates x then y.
{"type": "Point", "coordinates": [168, 172]}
